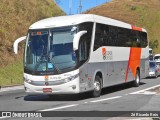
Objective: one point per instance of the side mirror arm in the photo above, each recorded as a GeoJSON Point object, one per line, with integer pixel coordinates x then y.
{"type": "Point", "coordinates": [15, 45]}
{"type": "Point", "coordinates": [77, 38]}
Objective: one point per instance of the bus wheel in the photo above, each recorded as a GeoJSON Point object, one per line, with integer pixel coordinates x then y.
{"type": "Point", "coordinates": [97, 87]}
{"type": "Point", "coordinates": [137, 80]}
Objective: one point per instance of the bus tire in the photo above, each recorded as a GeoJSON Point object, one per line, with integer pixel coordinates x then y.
{"type": "Point", "coordinates": [97, 87]}
{"type": "Point", "coordinates": [136, 82]}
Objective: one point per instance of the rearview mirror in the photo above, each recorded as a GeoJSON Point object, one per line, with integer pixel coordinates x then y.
{"type": "Point", "coordinates": [15, 45]}
{"type": "Point", "coordinates": [77, 38]}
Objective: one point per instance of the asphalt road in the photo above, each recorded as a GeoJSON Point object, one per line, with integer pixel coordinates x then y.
{"type": "Point", "coordinates": [116, 98]}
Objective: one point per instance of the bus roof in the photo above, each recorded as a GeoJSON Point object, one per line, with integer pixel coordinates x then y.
{"type": "Point", "coordinates": [61, 21]}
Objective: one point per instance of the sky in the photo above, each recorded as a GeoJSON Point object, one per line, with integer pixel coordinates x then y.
{"type": "Point", "coordinates": [74, 5]}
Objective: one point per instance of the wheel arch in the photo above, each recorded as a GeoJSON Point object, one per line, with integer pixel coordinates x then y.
{"type": "Point", "coordinates": [139, 70]}
{"type": "Point", "coordinates": [100, 74]}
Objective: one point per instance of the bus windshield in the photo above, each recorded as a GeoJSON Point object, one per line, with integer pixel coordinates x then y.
{"type": "Point", "coordinates": [152, 64]}
{"type": "Point", "coordinates": [157, 58]}
{"type": "Point", "coordinates": [50, 52]}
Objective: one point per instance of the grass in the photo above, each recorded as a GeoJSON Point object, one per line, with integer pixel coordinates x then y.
{"type": "Point", "coordinates": [15, 18]}
{"type": "Point", "coordinates": [12, 74]}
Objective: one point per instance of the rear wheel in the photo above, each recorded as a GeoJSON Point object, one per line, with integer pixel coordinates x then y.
{"type": "Point", "coordinates": [97, 87]}
{"type": "Point", "coordinates": [136, 82]}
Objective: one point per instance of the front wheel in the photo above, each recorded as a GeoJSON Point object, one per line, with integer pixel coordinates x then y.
{"type": "Point", "coordinates": [137, 79]}
{"type": "Point", "coordinates": [97, 87]}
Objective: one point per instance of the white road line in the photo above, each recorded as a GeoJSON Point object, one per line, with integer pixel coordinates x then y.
{"type": "Point", "coordinates": [62, 107]}
{"type": "Point", "coordinates": [111, 98]}
{"type": "Point", "coordinates": [141, 91]}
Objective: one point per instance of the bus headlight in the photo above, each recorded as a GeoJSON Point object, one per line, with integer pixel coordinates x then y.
{"type": "Point", "coordinates": [71, 78]}
{"type": "Point", "coordinates": [27, 80]}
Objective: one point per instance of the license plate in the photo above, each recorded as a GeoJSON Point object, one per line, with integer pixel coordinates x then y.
{"type": "Point", "coordinates": [47, 90]}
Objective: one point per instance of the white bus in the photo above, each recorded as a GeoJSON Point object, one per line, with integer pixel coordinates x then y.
{"type": "Point", "coordinates": [79, 53]}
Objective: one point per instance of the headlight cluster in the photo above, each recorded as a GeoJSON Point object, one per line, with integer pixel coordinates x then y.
{"type": "Point", "coordinates": [71, 78]}
{"type": "Point", "coordinates": [27, 80]}
{"type": "Point", "coordinates": [61, 80]}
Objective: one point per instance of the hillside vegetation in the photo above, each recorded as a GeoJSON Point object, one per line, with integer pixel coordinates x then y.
{"type": "Point", "coordinates": [142, 13]}
{"type": "Point", "coordinates": [15, 18]}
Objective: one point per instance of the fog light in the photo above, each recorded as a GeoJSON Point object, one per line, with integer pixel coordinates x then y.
{"type": "Point", "coordinates": [73, 87]}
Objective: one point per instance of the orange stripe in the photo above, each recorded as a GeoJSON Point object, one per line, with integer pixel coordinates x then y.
{"type": "Point", "coordinates": [128, 66]}
{"type": "Point", "coordinates": [134, 61]}
{"type": "Point", "coordinates": [136, 28]}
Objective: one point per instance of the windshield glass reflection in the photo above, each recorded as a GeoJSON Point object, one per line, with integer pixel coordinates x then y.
{"type": "Point", "coordinates": [50, 51]}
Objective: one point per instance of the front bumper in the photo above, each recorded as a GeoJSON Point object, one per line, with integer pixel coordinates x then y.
{"type": "Point", "coordinates": [152, 74]}
{"type": "Point", "coordinates": [71, 87]}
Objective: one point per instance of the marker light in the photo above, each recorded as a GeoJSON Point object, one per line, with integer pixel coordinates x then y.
{"type": "Point", "coordinates": [136, 28]}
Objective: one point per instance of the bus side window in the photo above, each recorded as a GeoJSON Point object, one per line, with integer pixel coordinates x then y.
{"type": "Point", "coordinates": [99, 36]}
{"type": "Point", "coordinates": [98, 41]}
{"type": "Point", "coordinates": [85, 41]}
{"type": "Point", "coordinates": [83, 49]}
{"type": "Point", "coordinates": [143, 36]}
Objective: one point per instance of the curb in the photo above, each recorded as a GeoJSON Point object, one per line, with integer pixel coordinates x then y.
{"type": "Point", "coordinates": [10, 88]}
{"type": "Point", "coordinates": [10, 85]}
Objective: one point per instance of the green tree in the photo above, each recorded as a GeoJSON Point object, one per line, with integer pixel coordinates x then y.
{"type": "Point", "coordinates": [154, 44]}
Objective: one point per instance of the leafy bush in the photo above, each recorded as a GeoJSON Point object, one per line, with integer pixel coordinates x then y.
{"type": "Point", "coordinates": [154, 44]}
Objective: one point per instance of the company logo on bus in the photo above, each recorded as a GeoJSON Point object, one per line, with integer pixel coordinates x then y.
{"type": "Point", "coordinates": [104, 53]}
{"type": "Point", "coordinates": [46, 78]}
{"type": "Point", "coordinates": [107, 55]}
{"type": "Point", "coordinates": [46, 83]}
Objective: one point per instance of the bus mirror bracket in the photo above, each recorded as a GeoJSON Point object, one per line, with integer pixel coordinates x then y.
{"type": "Point", "coordinates": [77, 38]}
{"type": "Point", "coordinates": [15, 45]}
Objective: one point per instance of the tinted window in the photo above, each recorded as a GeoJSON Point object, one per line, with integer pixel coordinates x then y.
{"type": "Point", "coordinates": [85, 41]}
{"type": "Point", "coordinates": [106, 35]}
{"type": "Point", "coordinates": [157, 58]}
{"type": "Point", "coordinates": [152, 64]}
